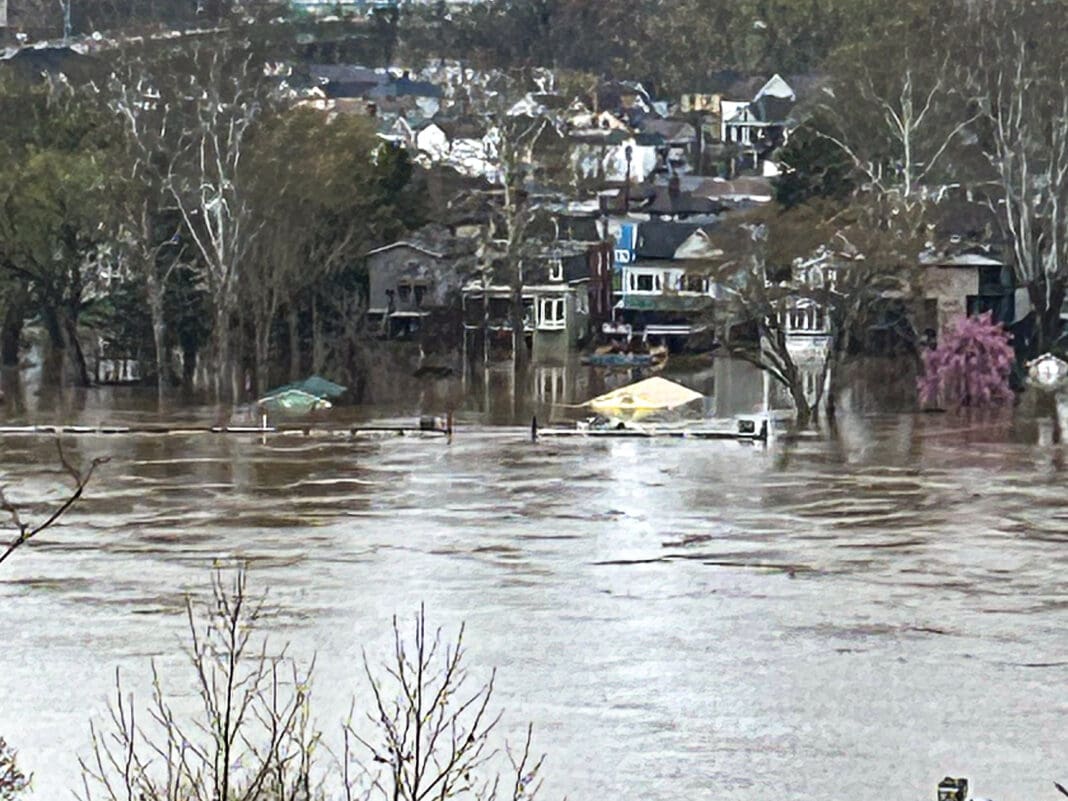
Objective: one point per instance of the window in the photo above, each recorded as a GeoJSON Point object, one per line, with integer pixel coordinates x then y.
{"type": "Point", "coordinates": [556, 270]}
{"type": "Point", "coordinates": [420, 293]}
{"type": "Point", "coordinates": [693, 283]}
{"type": "Point", "coordinates": [551, 313]}
{"type": "Point", "coordinates": [404, 292]}
{"type": "Point", "coordinates": [645, 282]}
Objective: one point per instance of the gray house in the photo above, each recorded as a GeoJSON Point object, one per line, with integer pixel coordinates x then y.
{"type": "Point", "coordinates": [408, 283]}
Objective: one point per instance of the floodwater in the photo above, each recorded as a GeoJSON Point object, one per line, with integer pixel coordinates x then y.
{"type": "Point", "coordinates": [855, 616]}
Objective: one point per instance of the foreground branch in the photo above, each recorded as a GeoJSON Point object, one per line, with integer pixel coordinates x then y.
{"type": "Point", "coordinates": [26, 531]}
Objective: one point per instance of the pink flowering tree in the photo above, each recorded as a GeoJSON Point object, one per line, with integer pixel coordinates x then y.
{"type": "Point", "coordinates": [970, 366]}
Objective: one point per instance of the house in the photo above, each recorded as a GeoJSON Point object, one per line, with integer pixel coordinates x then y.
{"type": "Point", "coordinates": [421, 95]}
{"type": "Point", "coordinates": [758, 126]}
{"type": "Point", "coordinates": [967, 283]}
{"type": "Point", "coordinates": [346, 80]}
{"type": "Point", "coordinates": [678, 141]}
{"type": "Point", "coordinates": [665, 294]}
{"type": "Point", "coordinates": [566, 290]}
{"type": "Point", "coordinates": [411, 282]}
{"type": "Point", "coordinates": [700, 103]}
{"type": "Point", "coordinates": [965, 269]}
{"type": "Point", "coordinates": [464, 143]}
{"type": "Point", "coordinates": [664, 201]}
{"type": "Point", "coordinates": [627, 99]}
{"type": "Point", "coordinates": [805, 322]}
{"type": "Point", "coordinates": [612, 154]}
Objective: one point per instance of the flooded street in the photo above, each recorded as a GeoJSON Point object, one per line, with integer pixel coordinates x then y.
{"type": "Point", "coordinates": [855, 616]}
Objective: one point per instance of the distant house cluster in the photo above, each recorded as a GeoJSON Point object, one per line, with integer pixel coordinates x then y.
{"type": "Point", "coordinates": [633, 242]}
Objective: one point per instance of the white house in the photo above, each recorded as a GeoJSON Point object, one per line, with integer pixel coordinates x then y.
{"type": "Point", "coordinates": [744, 122]}
{"type": "Point", "coordinates": [463, 145]}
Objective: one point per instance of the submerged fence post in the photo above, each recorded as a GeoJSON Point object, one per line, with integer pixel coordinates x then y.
{"type": "Point", "coordinates": [534, 428]}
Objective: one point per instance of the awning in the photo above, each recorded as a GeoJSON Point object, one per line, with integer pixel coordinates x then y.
{"type": "Point", "coordinates": [665, 303]}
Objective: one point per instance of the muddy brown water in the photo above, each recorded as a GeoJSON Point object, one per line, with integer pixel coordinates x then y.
{"type": "Point", "coordinates": [855, 616]}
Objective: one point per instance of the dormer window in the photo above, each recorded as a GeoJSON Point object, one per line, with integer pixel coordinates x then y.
{"type": "Point", "coordinates": [556, 270]}
{"type": "Point", "coordinates": [404, 292]}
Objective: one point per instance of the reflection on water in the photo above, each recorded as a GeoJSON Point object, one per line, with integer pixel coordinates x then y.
{"type": "Point", "coordinates": [864, 613]}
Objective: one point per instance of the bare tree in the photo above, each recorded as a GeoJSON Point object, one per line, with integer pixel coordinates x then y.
{"type": "Point", "coordinates": [147, 233]}
{"type": "Point", "coordinates": [839, 266]}
{"type": "Point", "coordinates": [1021, 88]}
{"type": "Point", "coordinates": [433, 728]}
{"type": "Point", "coordinates": [24, 531]}
{"type": "Point", "coordinates": [909, 121]}
{"type": "Point", "coordinates": [253, 740]}
{"type": "Point", "coordinates": [516, 141]}
{"type": "Point", "coordinates": [223, 92]}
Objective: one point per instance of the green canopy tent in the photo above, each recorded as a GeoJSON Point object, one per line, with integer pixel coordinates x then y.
{"type": "Point", "coordinates": [302, 397]}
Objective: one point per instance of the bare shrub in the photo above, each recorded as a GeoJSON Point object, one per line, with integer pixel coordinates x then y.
{"type": "Point", "coordinates": [13, 782]}
{"type": "Point", "coordinates": [252, 739]}
{"type": "Point", "coordinates": [433, 728]}
{"type": "Point", "coordinates": [429, 734]}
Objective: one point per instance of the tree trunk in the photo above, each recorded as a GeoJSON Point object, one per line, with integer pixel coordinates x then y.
{"type": "Point", "coordinates": [519, 335]}
{"type": "Point", "coordinates": [159, 335]}
{"type": "Point", "coordinates": [805, 412]}
{"type": "Point", "coordinates": [74, 369]}
{"type": "Point", "coordinates": [223, 357]}
{"type": "Point", "coordinates": [262, 348]}
{"type": "Point", "coordinates": [1047, 308]}
{"type": "Point", "coordinates": [293, 324]}
{"type": "Point", "coordinates": [11, 331]}
{"type": "Point", "coordinates": [189, 364]}
{"type": "Point", "coordinates": [318, 339]}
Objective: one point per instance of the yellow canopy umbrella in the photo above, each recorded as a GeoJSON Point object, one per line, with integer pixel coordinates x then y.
{"type": "Point", "coordinates": [643, 398]}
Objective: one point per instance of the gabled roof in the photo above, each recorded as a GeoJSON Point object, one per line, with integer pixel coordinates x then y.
{"type": "Point", "coordinates": [660, 240]}
{"type": "Point", "coordinates": [778, 88]}
{"type": "Point", "coordinates": [669, 130]}
{"type": "Point", "coordinates": [658, 199]}
{"type": "Point", "coordinates": [698, 245]}
{"type": "Point", "coordinates": [461, 127]}
{"type": "Point", "coordinates": [346, 72]}
{"type": "Point", "coordinates": [407, 244]}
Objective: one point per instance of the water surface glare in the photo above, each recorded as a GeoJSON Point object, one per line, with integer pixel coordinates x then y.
{"type": "Point", "coordinates": [822, 619]}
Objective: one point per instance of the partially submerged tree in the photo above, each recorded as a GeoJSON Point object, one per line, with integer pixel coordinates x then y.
{"type": "Point", "coordinates": [841, 265]}
{"type": "Point", "coordinates": [326, 190]}
{"type": "Point", "coordinates": [51, 193]}
{"type": "Point", "coordinates": [970, 366]}
{"type": "Point", "coordinates": [1020, 86]}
